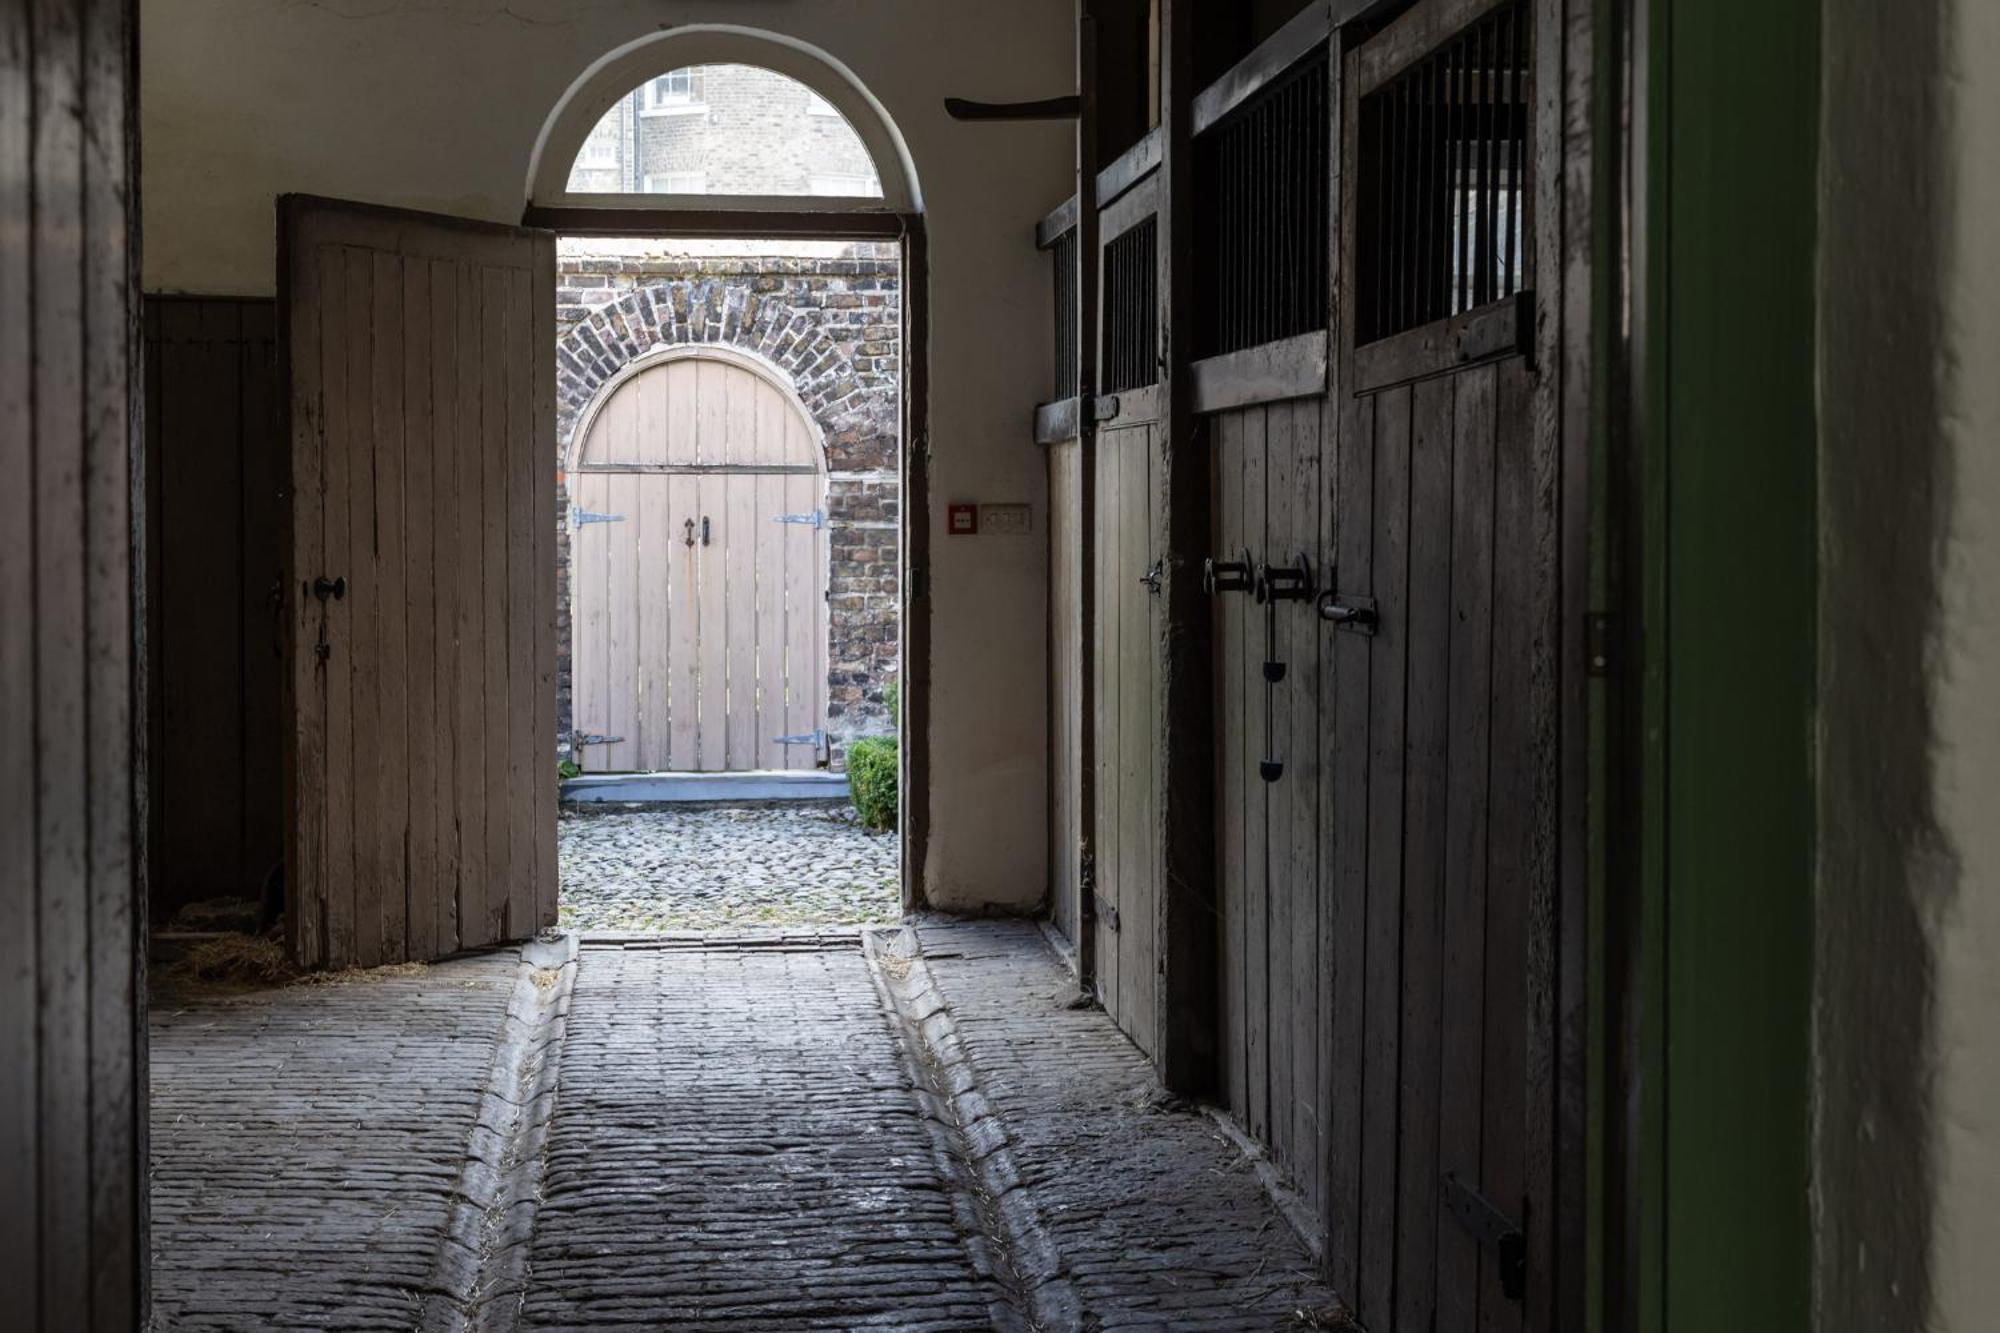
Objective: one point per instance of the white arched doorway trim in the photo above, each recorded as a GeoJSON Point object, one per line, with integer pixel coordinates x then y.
{"type": "Point", "coordinates": [761, 366]}
{"type": "Point", "coordinates": [619, 71]}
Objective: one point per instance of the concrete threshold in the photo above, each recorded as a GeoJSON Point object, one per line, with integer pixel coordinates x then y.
{"type": "Point", "coordinates": [664, 788]}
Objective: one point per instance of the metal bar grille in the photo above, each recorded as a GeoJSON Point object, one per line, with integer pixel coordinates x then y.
{"type": "Point", "coordinates": [1442, 155]}
{"type": "Point", "coordinates": [1261, 216]}
{"type": "Point", "coordinates": [1068, 361]}
{"type": "Point", "coordinates": [1131, 308]}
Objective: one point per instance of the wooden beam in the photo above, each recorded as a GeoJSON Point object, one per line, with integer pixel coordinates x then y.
{"type": "Point", "coordinates": [1304, 34]}
{"type": "Point", "coordinates": [1060, 222]}
{"type": "Point", "coordinates": [1048, 108]}
{"type": "Point", "coordinates": [915, 583]}
{"type": "Point", "coordinates": [1501, 328]}
{"type": "Point", "coordinates": [1133, 165]}
{"type": "Point", "coordinates": [1188, 1002]}
{"type": "Point", "coordinates": [734, 223]}
{"type": "Point", "coordinates": [1056, 422]}
{"type": "Point", "coordinates": [1269, 373]}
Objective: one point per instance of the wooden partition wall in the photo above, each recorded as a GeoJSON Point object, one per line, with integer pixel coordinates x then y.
{"type": "Point", "coordinates": [1373, 347]}
{"type": "Point", "coordinates": [215, 466]}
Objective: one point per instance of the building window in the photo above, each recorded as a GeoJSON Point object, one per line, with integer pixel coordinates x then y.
{"type": "Point", "coordinates": [819, 106]}
{"type": "Point", "coordinates": [600, 150]}
{"type": "Point", "coordinates": [846, 184]}
{"type": "Point", "coordinates": [679, 90]}
{"type": "Point", "coordinates": [677, 182]}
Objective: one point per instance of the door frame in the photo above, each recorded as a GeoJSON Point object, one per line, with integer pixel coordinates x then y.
{"type": "Point", "coordinates": [906, 228]}
{"type": "Point", "coordinates": [743, 359]}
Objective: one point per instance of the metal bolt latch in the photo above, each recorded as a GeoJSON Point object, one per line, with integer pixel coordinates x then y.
{"type": "Point", "coordinates": [1354, 614]}
{"type": "Point", "coordinates": [324, 587]}
{"type": "Point", "coordinates": [1227, 575]}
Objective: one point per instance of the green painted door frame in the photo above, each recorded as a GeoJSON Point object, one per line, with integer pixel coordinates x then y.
{"type": "Point", "coordinates": [1712, 893]}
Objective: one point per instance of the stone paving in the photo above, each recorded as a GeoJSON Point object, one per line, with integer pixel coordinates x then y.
{"type": "Point", "coordinates": [644, 869]}
{"type": "Point", "coordinates": [770, 1134]}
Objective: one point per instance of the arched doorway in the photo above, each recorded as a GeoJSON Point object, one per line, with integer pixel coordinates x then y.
{"type": "Point", "coordinates": [698, 572]}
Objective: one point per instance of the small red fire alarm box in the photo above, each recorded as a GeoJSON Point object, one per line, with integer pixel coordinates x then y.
{"type": "Point", "coordinates": [961, 520]}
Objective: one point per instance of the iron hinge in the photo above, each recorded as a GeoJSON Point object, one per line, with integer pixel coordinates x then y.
{"type": "Point", "coordinates": [583, 518]}
{"type": "Point", "coordinates": [594, 738]}
{"type": "Point", "coordinates": [1600, 634]}
{"type": "Point", "coordinates": [1106, 912]}
{"type": "Point", "coordinates": [1493, 1229]}
{"type": "Point", "coordinates": [812, 738]}
{"type": "Point", "coordinates": [816, 519]}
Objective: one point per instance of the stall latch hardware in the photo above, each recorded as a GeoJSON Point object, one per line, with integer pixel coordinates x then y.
{"type": "Point", "coordinates": [324, 587]}
{"type": "Point", "coordinates": [1493, 1229]}
{"type": "Point", "coordinates": [1356, 615]}
{"type": "Point", "coordinates": [1275, 584]}
{"type": "Point", "coordinates": [1151, 578]}
{"type": "Point", "coordinates": [1228, 575]}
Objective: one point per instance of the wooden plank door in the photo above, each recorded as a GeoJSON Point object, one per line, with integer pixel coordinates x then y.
{"type": "Point", "coordinates": [72, 1058]}
{"type": "Point", "coordinates": [1126, 662]}
{"type": "Point", "coordinates": [420, 582]}
{"type": "Point", "coordinates": [1443, 638]}
{"type": "Point", "coordinates": [699, 575]}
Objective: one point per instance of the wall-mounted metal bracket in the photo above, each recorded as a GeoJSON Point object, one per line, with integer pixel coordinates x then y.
{"type": "Point", "coordinates": [1285, 583]}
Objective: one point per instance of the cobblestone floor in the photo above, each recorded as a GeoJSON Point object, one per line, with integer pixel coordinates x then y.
{"type": "Point", "coordinates": [646, 869]}
{"type": "Point", "coordinates": [755, 1136]}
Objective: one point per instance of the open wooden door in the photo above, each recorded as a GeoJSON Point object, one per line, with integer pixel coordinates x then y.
{"type": "Point", "coordinates": [420, 582]}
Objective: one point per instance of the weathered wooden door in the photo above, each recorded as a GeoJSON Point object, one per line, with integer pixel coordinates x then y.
{"type": "Point", "coordinates": [1126, 661]}
{"type": "Point", "coordinates": [420, 582]}
{"type": "Point", "coordinates": [699, 574]}
{"type": "Point", "coordinates": [1443, 628]}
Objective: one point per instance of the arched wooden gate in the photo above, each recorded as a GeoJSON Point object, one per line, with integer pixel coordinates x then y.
{"type": "Point", "coordinates": [699, 574]}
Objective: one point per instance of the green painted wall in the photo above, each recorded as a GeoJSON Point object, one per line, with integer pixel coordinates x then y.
{"type": "Point", "coordinates": [1731, 628]}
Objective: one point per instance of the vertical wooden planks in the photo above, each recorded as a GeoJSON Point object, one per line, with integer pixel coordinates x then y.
{"type": "Point", "coordinates": [1425, 792]}
{"type": "Point", "coordinates": [1387, 699]}
{"type": "Point", "coordinates": [684, 623]}
{"type": "Point", "coordinates": [1256, 801]}
{"type": "Point", "coordinates": [540, 604]}
{"type": "Point", "coordinates": [712, 583]}
{"type": "Point", "coordinates": [1110, 761]}
{"type": "Point", "coordinates": [1353, 672]}
{"type": "Point", "coordinates": [262, 491]}
{"type": "Point", "coordinates": [526, 759]}
{"type": "Point", "coordinates": [1136, 741]}
{"type": "Point", "coordinates": [388, 748]}
{"type": "Point", "coordinates": [450, 508]}
{"type": "Point", "coordinates": [737, 544]}
{"type": "Point", "coordinates": [1279, 548]}
{"type": "Point", "coordinates": [768, 563]}
{"type": "Point", "coordinates": [652, 533]}
{"type": "Point", "coordinates": [805, 615]}
{"type": "Point", "coordinates": [494, 518]}
{"type": "Point", "coordinates": [1234, 761]}
{"type": "Point", "coordinates": [616, 553]}
{"type": "Point", "coordinates": [1303, 636]}
{"type": "Point", "coordinates": [469, 726]}
{"type": "Point", "coordinates": [72, 1103]}
{"type": "Point", "coordinates": [420, 524]}
{"type": "Point", "coordinates": [362, 610]}
{"type": "Point", "coordinates": [1461, 1087]}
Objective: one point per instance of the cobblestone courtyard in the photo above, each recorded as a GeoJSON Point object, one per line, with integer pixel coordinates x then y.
{"type": "Point", "coordinates": [643, 869]}
{"type": "Point", "coordinates": [919, 1130]}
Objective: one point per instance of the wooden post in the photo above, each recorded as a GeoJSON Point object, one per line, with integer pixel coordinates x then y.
{"type": "Point", "coordinates": [1087, 259]}
{"type": "Point", "coordinates": [1188, 1002]}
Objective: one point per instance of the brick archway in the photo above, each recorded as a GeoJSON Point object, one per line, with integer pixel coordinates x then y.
{"type": "Point", "coordinates": [832, 328]}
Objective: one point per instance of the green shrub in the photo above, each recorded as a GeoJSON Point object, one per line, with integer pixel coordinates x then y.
{"type": "Point", "coordinates": [871, 780]}
{"type": "Point", "coordinates": [892, 699]}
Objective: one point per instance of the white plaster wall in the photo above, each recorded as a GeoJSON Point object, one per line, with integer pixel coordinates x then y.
{"type": "Point", "coordinates": [436, 104]}
{"type": "Point", "coordinates": [1965, 1257]}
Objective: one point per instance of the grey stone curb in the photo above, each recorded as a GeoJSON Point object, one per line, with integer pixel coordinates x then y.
{"type": "Point", "coordinates": [480, 1274]}
{"type": "Point", "coordinates": [1008, 1239]}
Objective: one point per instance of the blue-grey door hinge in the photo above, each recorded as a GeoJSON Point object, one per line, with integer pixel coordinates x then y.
{"type": "Point", "coordinates": [581, 517]}
{"type": "Point", "coordinates": [583, 738]}
{"type": "Point", "coordinates": [817, 518]}
{"type": "Point", "coordinates": [812, 738]}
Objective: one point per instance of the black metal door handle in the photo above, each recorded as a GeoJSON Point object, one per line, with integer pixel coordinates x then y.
{"type": "Point", "coordinates": [1356, 614]}
{"type": "Point", "coordinates": [324, 587]}
{"type": "Point", "coordinates": [704, 529]}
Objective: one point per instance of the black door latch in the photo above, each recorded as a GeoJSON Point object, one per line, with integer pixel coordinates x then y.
{"type": "Point", "coordinates": [1493, 1229]}
{"type": "Point", "coordinates": [324, 587]}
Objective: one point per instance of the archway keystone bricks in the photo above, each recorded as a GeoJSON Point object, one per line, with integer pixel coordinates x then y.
{"type": "Point", "coordinates": [832, 327]}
